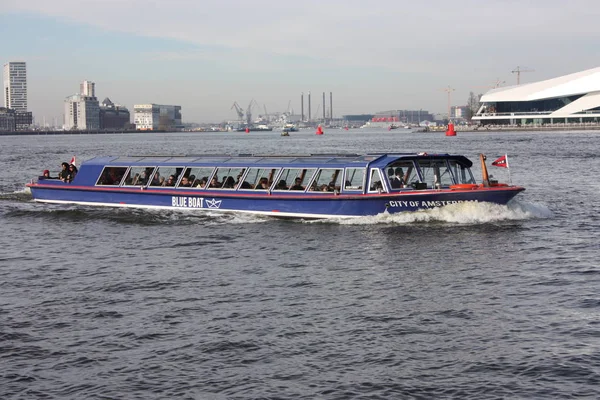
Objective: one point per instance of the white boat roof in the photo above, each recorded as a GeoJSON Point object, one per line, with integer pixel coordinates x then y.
{"type": "Point", "coordinates": [583, 82]}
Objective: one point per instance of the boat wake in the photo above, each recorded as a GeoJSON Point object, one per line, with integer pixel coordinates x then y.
{"type": "Point", "coordinates": [23, 194]}
{"type": "Point", "coordinates": [461, 213]}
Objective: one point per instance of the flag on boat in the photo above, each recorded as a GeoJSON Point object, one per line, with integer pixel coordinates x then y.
{"type": "Point", "coordinates": [73, 161]}
{"type": "Point", "coordinates": [501, 162]}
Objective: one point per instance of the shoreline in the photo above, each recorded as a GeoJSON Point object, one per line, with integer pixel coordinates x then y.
{"type": "Point", "coordinates": [109, 132]}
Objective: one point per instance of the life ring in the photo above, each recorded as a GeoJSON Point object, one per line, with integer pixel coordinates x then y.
{"type": "Point", "coordinates": [464, 186]}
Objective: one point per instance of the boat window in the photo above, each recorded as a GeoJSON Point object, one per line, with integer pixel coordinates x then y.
{"type": "Point", "coordinates": [375, 184]}
{"type": "Point", "coordinates": [355, 178]}
{"type": "Point", "coordinates": [197, 177]}
{"type": "Point", "coordinates": [294, 178]}
{"type": "Point", "coordinates": [111, 176]}
{"type": "Point", "coordinates": [138, 176]}
{"type": "Point", "coordinates": [327, 180]}
{"type": "Point", "coordinates": [401, 174]}
{"type": "Point", "coordinates": [435, 173]}
{"type": "Point", "coordinates": [461, 173]}
{"type": "Point", "coordinates": [227, 177]}
{"type": "Point", "coordinates": [166, 176]}
{"type": "Point", "coordinates": [259, 178]}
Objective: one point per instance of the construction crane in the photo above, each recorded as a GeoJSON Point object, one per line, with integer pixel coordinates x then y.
{"type": "Point", "coordinates": [494, 85]}
{"type": "Point", "coordinates": [239, 110]}
{"type": "Point", "coordinates": [518, 71]}
{"type": "Point", "coordinates": [249, 111]}
{"type": "Point", "coordinates": [448, 90]}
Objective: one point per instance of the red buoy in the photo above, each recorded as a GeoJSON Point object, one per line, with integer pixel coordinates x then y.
{"type": "Point", "coordinates": [247, 130]}
{"type": "Point", "coordinates": [319, 130]}
{"type": "Point", "coordinates": [450, 131]}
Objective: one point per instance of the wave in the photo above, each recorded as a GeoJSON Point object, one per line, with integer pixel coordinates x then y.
{"type": "Point", "coordinates": [22, 195]}
{"type": "Point", "coordinates": [461, 213]}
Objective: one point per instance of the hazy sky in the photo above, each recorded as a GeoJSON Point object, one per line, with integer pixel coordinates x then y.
{"type": "Point", "coordinates": [373, 55]}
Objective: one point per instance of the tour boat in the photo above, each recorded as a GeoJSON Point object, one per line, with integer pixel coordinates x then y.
{"type": "Point", "coordinates": [293, 186]}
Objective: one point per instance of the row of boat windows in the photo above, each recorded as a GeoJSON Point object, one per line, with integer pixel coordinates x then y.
{"type": "Point", "coordinates": [311, 179]}
{"type": "Point", "coordinates": [403, 174]}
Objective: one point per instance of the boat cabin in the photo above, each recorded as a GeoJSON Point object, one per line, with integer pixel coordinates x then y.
{"type": "Point", "coordinates": [293, 174]}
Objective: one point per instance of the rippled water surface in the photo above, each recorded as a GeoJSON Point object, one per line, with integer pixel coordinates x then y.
{"type": "Point", "coordinates": [472, 301]}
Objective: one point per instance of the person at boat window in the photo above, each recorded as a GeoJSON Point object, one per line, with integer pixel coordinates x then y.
{"type": "Point", "coordinates": [214, 182]}
{"type": "Point", "coordinates": [399, 175]}
{"type": "Point", "coordinates": [162, 181]}
{"type": "Point", "coordinates": [246, 185]}
{"type": "Point", "coordinates": [202, 183]}
{"type": "Point", "coordinates": [170, 181]}
{"type": "Point", "coordinates": [396, 178]}
{"type": "Point", "coordinates": [282, 185]}
{"type": "Point", "coordinates": [141, 179]}
{"type": "Point", "coordinates": [185, 182]}
{"type": "Point", "coordinates": [297, 184]}
{"type": "Point", "coordinates": [193, 181]}
{"type": "Point", "coordinates": [62, 175]}
{"type": "Point", "coordinates": [72, 172]}
{"type": "Point", "coordinates": [239, 176]}
{"type": "Point", "coordinates": [263, 184]}
{"type": "Point", "coordinates": [377, 185]}
{"type": "Point", "coordinates": [228, 183]}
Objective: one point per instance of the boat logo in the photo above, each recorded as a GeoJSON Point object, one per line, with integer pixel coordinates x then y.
{"type": "Point", "coordinates": [213, 203]}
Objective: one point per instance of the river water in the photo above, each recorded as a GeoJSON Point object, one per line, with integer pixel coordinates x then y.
{"type": "Point", "coordinates": [471, 301]}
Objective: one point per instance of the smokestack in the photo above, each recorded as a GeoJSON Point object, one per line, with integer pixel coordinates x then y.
{"type": "Point", "coordinates": [309, 107]}
{"type": "Point", "coordinates": [302, 106]}
{"type": "Point", "coordinates": [323, 106]}
{"type": "Point", "coordinates": [331, 106]}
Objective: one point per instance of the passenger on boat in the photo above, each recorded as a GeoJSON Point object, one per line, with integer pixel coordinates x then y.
{"type": "Point", "coordinates": [263, 184]}
{"type": "Point", "coordinates": [282, 185]}
{"type": "Point", "coordinates": [202, 182]}
{"type": "Point", "coordinates": [396, 178]}
{"type": "Point", "coordinates": [46, 174]}
{"type": "Point", "coordinates": [214, 183]}
{"type": "Point", "coordinates": [170, 181]}
{"type": "Point", "coordinates": [185, 182]}
{"type": "Point", "coordinates": [161, 181]}
{"type": "Point", "coordinates": [400, 176]}
{"type": "Point", "coordinates": [297, 184]}
{"type": "Point", "coordinates": [72, 172]}
{"type": "Point", "coordinates": [228, 183]}
{"type": "Point", "coordinates": [64, 173]}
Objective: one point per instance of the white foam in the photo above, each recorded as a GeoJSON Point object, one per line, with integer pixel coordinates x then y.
{"type": "Point", "coordinates": [460, 213]}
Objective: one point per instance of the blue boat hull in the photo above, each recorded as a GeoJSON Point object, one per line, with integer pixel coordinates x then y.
{"type": "Point", "coordinates": [283, 205]}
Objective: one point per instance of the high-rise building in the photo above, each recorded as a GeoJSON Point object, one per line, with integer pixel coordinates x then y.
{"type": "Point", "coordinates": [157, 117]}
{"type": "Point", "coordinates": [82, 111]}
{"type": "Point", "coordinates": [87, 88]}
{"type": "Point", "coordinates": [15, 86]}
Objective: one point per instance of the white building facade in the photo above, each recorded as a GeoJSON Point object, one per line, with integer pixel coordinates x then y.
{"type": "Point", "coordinates": [156, 116]}
{"type": "Point", "coordinates": [82, 113]}
{"type": "Point", "coordinates": [568, 99]}
{"type": "Point", "coordinates": [15, 86]}
{"type": "Point", "coordinates": [87, 88]}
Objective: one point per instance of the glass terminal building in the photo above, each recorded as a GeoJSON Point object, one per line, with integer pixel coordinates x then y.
{"type": "Point", "coordinates": [568, 99]}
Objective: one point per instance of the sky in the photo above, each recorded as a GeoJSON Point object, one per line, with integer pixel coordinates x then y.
{"type": "Point", "coordinates": [373, 55]}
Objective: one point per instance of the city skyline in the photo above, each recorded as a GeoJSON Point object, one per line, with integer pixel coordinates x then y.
{"type": "Point", "coordinates": [374, 57]}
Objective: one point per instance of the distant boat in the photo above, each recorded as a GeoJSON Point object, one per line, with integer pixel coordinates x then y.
{"type": "Point", "coordinates": [285, 133]}
{"type": "Point", "coordinates": [392, 126]}
{"type": "Point", "coordinates": [289, 128]}
{"type": "Point", "coordinates": [254, 128]}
